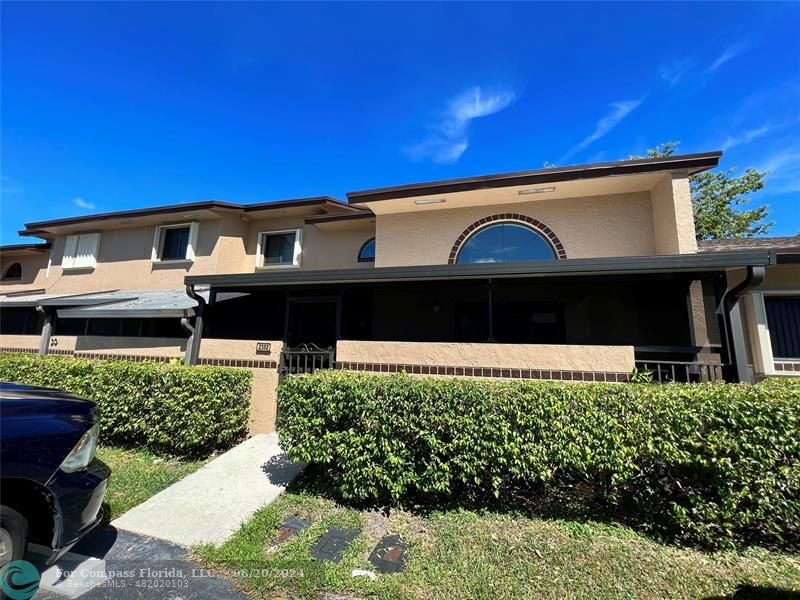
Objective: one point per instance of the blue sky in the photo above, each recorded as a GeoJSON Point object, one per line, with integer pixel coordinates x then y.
{"type": "Point", "coordinates": [110, 106]}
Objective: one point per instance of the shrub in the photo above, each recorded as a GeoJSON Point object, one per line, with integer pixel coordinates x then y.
{"type": "Point", "coordinates": [188, 411]}
{"type": "Point", "coordinates": [703, 463]}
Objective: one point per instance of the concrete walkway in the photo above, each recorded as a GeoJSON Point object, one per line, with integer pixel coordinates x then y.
{"type": "Point", "coordinates": [210, 504]}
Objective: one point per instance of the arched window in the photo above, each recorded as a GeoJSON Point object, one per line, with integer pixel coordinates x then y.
{"type": "Point", "coordinates": [13, 272]}
{"type": "Point", "coordinates": [367, 252]}
{"type": "Point", "coordinates": [505, 242]}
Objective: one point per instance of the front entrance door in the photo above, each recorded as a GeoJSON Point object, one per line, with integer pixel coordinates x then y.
{"type": "Point", "coordinates": [312, 321]}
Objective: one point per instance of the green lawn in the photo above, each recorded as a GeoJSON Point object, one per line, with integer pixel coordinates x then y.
{"type": "Point", "coordinates": [460, 554]}
{"type": "Point", "coordinates": [138, 474]}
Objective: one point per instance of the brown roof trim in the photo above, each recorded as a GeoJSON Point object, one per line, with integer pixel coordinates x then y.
{"type": "Point", "coordinates": [121, 214]}
{"type": "Point", "coordinates": [346, 217]}
{"type": "Point", "coordinates": [692, 162]}
{"type": "Point", "coordinates": [41, 247]}
{"type": "Point", "coordinates": [39, 227]}
{"type": "Point", "coordinates": [297, 202]}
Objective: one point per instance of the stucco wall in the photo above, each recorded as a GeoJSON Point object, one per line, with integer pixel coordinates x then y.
{"type": "Point", "coordinates": [124, 260]}
{"type": "Point", "coordinates": [512, 356]}
{"type": "Point", "coordinates": [238, 349]}
{"type": "Point", "coordinates": [321, 248]}
{"type": "Point", "coordinates": [596, 226]}
{"type": "Point", "coordinates": [34, 267]}
{"type": "Point", "coordinates": [23, 342]}
{"type": "Point", "coordinates": [673, 217]}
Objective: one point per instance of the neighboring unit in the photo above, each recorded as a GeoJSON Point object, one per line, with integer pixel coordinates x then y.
{"type": "Point", "coordinates": [573, 273]}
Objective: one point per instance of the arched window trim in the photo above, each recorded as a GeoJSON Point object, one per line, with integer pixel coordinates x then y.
{"type": "Point", "coordinates": [365, 259]}
{"type": "Point", "coordinates": [15, 275]}
{"type": "Point", "coordinates": [535, 225]}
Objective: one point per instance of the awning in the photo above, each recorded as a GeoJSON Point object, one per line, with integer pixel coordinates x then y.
{"type": "Point", "coordinates": [149, 305]}
{"type": "Point", "coordinates": [701, 263]}
{"type": "Point", "coordinates": [116, 304]}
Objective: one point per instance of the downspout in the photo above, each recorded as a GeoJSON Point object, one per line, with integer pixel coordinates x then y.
{"type": "Point", "coordinates": [196, 331]}
{"type": "Point", "coordinates": [732, 318]}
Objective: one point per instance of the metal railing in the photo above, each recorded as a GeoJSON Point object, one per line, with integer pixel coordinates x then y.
{"type": "Point", "coordinates": [667, 371]}
{"type": "Point", "coordinates": [307, 358]}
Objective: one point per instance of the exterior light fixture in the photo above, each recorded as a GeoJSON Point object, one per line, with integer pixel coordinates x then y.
{"type": "Point", "coordinates": [431, 201]}
{"type": "Point", "coordinates": [536, 191]}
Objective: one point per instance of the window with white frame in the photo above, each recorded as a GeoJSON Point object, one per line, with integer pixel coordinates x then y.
{"type": "Point", "coordinates": [279, 248]}
{"type": "Point", "coordinates": [175, 242]}
{"type": "Point", "coordinates": [80, 251]}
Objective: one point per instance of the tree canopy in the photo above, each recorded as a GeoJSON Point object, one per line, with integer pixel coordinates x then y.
{"type": "Point", "coordinates": [718, 198]}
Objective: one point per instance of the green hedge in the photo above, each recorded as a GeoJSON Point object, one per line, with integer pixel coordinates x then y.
{"type": "Point", "coordinates": [708, 463]}
{"type": "Point", "coordinates": [188, 411]}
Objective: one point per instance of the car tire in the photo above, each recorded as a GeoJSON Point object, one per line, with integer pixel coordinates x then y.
{"type": "Point", "coordinates": [14, 532]}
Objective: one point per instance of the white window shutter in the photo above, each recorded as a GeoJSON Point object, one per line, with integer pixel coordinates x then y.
{"type": "Point", "coordinates": [88, 248]}
{"type": "Point", "coordinates": [70, 249]}
{"type": "Point", "coordinates": [191, 248]}
{"type": "Point", "coordinates": [156, 244]}
{"type": "Point", "coordinates": [298, 247]}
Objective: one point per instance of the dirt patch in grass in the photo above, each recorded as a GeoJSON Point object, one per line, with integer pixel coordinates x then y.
{"type": "Point", "coordinates": [456, 553]}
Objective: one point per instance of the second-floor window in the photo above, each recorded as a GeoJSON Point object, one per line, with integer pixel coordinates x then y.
{"type": "Point", "coordinates": [279, 248]}
{"type": "Point", "coordinates": [175, 242]}
{"type": "Point", "coordinates": [80, 251]}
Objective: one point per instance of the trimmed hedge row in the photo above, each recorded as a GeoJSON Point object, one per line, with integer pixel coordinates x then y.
{"type": "Point", "coordinates": [709, 463]}
{"type": "Point", "coordinates": [188, 411]}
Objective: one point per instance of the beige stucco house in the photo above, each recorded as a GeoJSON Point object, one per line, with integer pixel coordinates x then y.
{"type": "Point", "coordinates": [575, 273]}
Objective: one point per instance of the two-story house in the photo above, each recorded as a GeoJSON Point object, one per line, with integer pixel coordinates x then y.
{"type": "Point", "coordinates": [576, 273]}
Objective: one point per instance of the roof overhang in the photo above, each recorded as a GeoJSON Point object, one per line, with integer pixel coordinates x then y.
{"type": "Point", "coordinates": [691, 163]}
{"type": "Point", "coordinates": [575, 267]}
{"type": "Point", "coordinates": [24, 249]}
{"type": "Point", "coordinates": [115, 304]}
{"type": "Point", "coordinates": [192, 211]}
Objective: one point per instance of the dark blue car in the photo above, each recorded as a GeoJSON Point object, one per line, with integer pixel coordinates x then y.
{"type": "Point", "coordinates": [51, 484]}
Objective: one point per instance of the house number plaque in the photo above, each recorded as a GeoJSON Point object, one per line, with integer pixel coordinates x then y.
{"type": "Point", "coordinates": [263, 347]}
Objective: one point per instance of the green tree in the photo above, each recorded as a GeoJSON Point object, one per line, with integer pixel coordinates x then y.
{"type": "Point", "coordinates": [718, 198]}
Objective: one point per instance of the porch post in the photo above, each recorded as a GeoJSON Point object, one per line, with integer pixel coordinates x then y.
{"type": "Point", "coordinates": [757, 327]}
{"type": "Point", "coordinates": [491, 311]}
{"type": "Point", "coordinates": [47, 329]}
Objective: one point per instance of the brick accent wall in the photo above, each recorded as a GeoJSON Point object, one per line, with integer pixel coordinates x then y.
{"type": "Point", "coordinates": [217, 362]}
{"type": "Point", "coordinates": [604, 376]}
{"type": "Point", "coordinates": [787, 367]}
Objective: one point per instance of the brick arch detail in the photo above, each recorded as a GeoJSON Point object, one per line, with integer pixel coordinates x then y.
{"type": "Point", "coordinates": [540, 228]}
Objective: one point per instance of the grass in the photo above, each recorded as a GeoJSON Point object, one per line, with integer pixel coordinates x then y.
{"type": "Point", "coordinates": [138, 474]}
{"type": "Point", "coordinates": [458, 554]}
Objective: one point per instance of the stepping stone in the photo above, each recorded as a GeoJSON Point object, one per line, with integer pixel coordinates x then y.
{"type": "Point", "coordinates": [290, 527]}
{"type": "Point", "coordinates": [332, 545]}
{"type": "Point", "coordinates": [389, 556]}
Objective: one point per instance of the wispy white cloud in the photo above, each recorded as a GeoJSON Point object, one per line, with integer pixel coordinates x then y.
{"type": "Point", "coordinates": [80, 202]}
{"type": "Point", "coordinates": [748, 135]}
{"type": "Point", "coordinates": [450, 135]}
{"type": "Point", "coordinates": [619, 110]}
{"type": "Point", "coordinates": [674, 71]}
{"type": "Point", "coordinates": [783, 171]}
{"type": "Point", "coordinates": [729, 53]}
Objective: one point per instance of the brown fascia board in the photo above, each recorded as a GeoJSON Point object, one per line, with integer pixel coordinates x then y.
{"type": "Point", "coordinates": [694, 163]}
{"type": "Point", "coordinates": [40, 228]}
{"type": "Point", "coordinates": [345, 217]}
{"type": "Point", "coordinates": [297, 202]}
{"type": "Point", "coordinates": [42, 247]}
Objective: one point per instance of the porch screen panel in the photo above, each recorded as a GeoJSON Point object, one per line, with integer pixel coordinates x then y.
{"type": "Point", "coordinates": [783, 319]}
